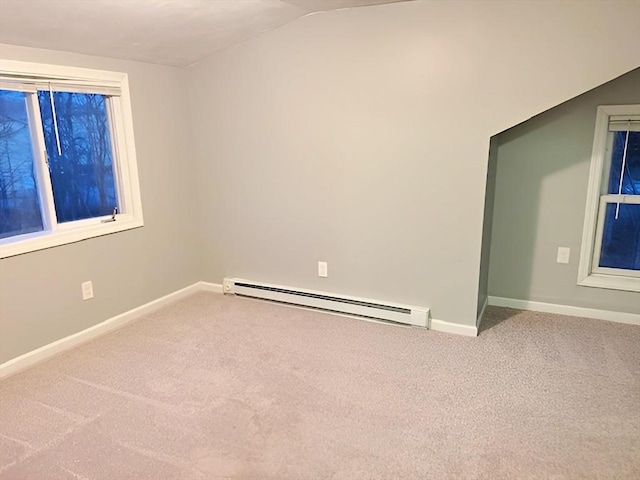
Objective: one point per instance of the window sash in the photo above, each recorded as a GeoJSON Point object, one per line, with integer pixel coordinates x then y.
{"type": "Point", "coordinates": [50, 222]}
{"type": "Point", "coordinates": [29, 77]}
{"type": "Point", "coordinates": [31, 82]}
{"type": "Point", "coordinates": [623, 123]}
{"type": "Point", "coordinates": [589, 274]}
{"type": "Point", "coordinates": [41, 166]}
{"type": "Point", "coordinates": [597, 247]}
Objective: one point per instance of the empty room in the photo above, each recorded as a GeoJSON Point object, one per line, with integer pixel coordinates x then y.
{"type": "Point", "coordinates": [319, 239]}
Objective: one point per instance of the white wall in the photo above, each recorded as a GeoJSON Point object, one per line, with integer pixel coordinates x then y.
{"type": "Point", "coordinates": [40, 297]}
{"type": "Point", "coordinates": [360, 137]}
{"type": "Point", "coordinates": [540, 199]}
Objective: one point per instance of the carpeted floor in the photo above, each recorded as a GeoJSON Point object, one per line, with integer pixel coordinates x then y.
{"type": "Point", "coordinates": [215, 387]}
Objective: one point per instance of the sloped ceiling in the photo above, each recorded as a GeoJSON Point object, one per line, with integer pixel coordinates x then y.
{"type": "Point", "coordinates": [167, 32]}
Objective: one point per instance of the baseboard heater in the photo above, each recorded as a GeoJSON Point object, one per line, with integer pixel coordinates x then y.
{"type": "Point", "coordinates": [360, 307]}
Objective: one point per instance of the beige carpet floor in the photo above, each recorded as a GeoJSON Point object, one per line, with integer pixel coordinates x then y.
{"type": "Point", "coordinates": [214, 387]}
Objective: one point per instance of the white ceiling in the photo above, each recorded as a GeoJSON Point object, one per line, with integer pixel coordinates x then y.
{"type": "Point", "coordinates": [168, 32]}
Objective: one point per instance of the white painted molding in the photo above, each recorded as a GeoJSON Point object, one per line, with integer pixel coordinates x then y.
{"type": "Point", "coordinates": [209, 287]}
{"type": "Point", "coordinates": [609, 315]}
{"type": "Point", "coordinates": [448, 327]}
{"type": "Point", "coordinates": [129, 199]}
{"type": "Point", "coordinates": [589, 274]}
{"type": "Point", "coordinates": [45, 352]}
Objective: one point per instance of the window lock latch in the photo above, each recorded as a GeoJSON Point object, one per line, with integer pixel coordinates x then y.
{"type": "Point", "coordinates": [113, 216]}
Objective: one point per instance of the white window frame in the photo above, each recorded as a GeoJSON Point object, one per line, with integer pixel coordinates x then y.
{"type": "Point", "coordinates": [590, 274]}
{"type": "Point", "coordinates": [124, 153]}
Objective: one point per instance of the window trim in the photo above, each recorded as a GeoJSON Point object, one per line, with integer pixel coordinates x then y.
{"type": "Point", "coordinates": [587, 275]}
{"type": "Point", "coordinates": [128, 186]}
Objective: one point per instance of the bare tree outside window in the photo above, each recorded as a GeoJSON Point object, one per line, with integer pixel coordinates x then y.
{"type": "Point", "coordinates": [82, 175]}
{"type": "Point", "coordinates": [19, 202]}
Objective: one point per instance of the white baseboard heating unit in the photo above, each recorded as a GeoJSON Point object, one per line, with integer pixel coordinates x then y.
{"type": "Point", "coordinates": [360, 307]}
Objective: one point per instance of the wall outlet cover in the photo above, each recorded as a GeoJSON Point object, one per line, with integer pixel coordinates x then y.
{"type": "Point", "coordinates": [87, 290]}
{"type": "Point", "coordinates": [563, 255]}
{"type": "Point", "coordinates": [322, 269]}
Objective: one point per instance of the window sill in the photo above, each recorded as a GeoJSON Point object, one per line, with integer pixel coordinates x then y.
{"type": "Point", "coordinates": [611, 282]}
{"type": "Point", "coordinates": [32, 242]}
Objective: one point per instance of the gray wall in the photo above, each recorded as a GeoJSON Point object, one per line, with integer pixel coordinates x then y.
{"type": "Point", "coordinates": [360, 137]}
{"type": "Point", "coordinates": [540, 193]}
{"type": "Point", "coordinates": [40, 297]}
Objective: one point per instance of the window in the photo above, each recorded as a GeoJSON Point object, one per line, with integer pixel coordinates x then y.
{"type": "Point", "coordinates": [67, 157]}
{"type": "Point", "coordinates": [610, 256]}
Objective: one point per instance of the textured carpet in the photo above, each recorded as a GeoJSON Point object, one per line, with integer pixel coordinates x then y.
{"type": "Point", "coordinates": [216, 387]}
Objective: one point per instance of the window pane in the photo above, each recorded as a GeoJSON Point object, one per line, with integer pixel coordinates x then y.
{"type": "Point", "coordinates": [82, 176]}
{"type": "Point", "coordinates": [621, 237]}
{"type": "Point", "coordinates": [631, 179]}
{"type": "Point", "coordinates": [19, 201]}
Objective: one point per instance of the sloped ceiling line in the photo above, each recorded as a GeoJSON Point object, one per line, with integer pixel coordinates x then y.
{"type": "Point", "coordinates": [166, 32]}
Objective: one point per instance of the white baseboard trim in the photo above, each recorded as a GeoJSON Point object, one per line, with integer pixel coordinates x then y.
{"type": "Point", "coordinates": [45, 352]}
{"type": "Point", "coordinates": [448, 327]}
{"type": "Point", "coordinates": [209, 287]}
{"type": "Point", "coordinates": [610, 315]}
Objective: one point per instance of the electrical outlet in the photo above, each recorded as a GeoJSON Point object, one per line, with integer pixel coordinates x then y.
{"type": "Point", "coordinates": [563, 254]}
{"type": "Point", "coordinates": [322, 269]}
{"type": "Point", "coordinates": [87, 290]}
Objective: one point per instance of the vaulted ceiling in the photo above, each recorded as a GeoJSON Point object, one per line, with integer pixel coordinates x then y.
{"type": "Point", "coordinates": [168, 32]}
